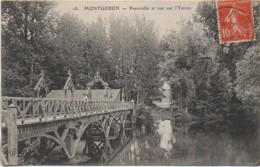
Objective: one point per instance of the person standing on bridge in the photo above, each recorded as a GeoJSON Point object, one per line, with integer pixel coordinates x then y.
{"type": "Point", "coordinates": [85, 97]}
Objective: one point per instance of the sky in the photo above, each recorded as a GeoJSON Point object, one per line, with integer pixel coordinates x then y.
{"type": "Point", "coordinates": [164, 20]}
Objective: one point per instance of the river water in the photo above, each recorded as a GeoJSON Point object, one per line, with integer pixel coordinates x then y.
{"type": "Point", "coordinates": [234, 141]}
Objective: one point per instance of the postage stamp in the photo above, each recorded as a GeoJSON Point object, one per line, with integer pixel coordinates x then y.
{"type": "Point", "coordinates": [235, 21]}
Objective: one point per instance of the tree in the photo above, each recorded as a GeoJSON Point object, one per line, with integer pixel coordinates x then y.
{"type": "Point", "coordinates": [134, 49]}
{"type": "Point", "coordinates": [228, 54]}
{"type": "Point", "coordinates": [26, 30]}
{"type": "Point", "coordinates": [221, 91]}
{"type": "Point", "coordinates": [248, 70]}
{"type": "Point", "coordinates": [121, 35]}
{"type": "Point", "coordinates": [189, 63]}
{"type": "Point", "coordinates": [146, 59]}
{"type": "Point", "coordinates": [67, 48]}
{"type": "Point", "coordinates": [218, 85]}
{"type": "Point", "coordinates": [97, 52]}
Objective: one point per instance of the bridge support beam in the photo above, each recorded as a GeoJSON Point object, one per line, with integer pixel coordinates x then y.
{"type": "Point", "coordinates": [69, 144]}
{"type": "Point", "coordinates": [68, 136]}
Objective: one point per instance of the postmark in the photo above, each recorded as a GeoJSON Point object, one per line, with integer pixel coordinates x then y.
{"type": "Point", "coordinates": [235, 21]}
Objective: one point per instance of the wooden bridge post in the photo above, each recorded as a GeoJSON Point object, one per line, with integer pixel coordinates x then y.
{"type": "Point", "coordinates": [69, 143]}
{"type": "Point", "coordinates": [12, 135]}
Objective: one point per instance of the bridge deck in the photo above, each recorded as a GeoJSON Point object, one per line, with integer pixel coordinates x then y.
{"type": "Point", "coordinates": [35, 110]}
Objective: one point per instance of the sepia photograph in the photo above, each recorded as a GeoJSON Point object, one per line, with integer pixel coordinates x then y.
{"type": "Point", "coordinates": [130, 83]}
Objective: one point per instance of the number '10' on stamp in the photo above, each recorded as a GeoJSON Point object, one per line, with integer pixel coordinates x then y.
{"type": "Point", "coordinates": [235, 21]}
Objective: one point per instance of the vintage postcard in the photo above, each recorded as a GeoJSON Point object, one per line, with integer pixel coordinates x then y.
{"type": "Point", "coordinates": [163, 83]}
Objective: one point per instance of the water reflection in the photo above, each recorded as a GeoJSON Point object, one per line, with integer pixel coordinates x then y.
{"type": "Point", "coordinates": [94, 147]}
{"type": "Point", "coordinates": [227, 142]}
{"type": "Point", "coordinates": [165, 133]}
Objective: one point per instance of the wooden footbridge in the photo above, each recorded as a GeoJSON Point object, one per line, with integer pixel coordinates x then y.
{"type": "Point", "coordinates": [36, 126]}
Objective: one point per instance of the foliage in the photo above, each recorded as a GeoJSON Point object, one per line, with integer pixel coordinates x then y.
{"type": "Point", "coordinates": [216, 85]}
{"type": "Point", "coordinates": [135, 53]}
{"type": "Point", "coordinates": [248, 74]}
{"type": "Point", "coordinates": [205, 76]}
{"type": "Point", "coordinates": [221, 91]}
{"type": "Point", "coordinates": [26, 28]}
{"type": "Point", "coordinates": [248, 70]}
{"type": "Point", "coordinates": [80, 48]}
{"type": "Point", "coordinates": [189, 62]}
{"type": "Point", "coordinates": [36, 38]}
{"type": "Point", "coordinates": [228, 54]}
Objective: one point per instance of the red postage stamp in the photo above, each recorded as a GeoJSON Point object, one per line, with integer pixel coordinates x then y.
{"type": "Point", "coordinates": [235, 21]}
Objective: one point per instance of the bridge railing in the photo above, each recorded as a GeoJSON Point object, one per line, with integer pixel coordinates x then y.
{"type": "Point", "coordinates": [46, 108]}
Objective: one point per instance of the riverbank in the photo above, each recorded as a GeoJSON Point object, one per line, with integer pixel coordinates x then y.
{"type": "Point", "coordinates": [165, 113]}
{"type": "Point", "coordinates": [159, 114]}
